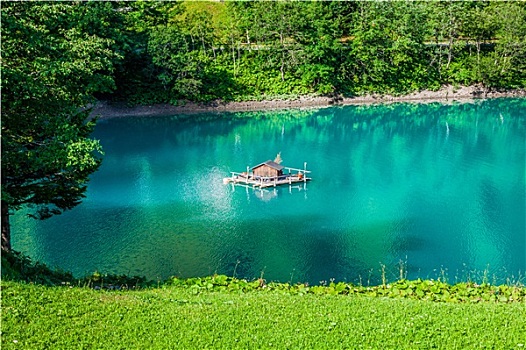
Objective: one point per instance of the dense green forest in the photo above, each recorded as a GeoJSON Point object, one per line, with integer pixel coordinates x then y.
{"type": "Point", "coordinates": [200, 51]}
{"type": "Point", "coordinates": [57, 57]}
{"type": "Point", "coordinates": [249, 50]}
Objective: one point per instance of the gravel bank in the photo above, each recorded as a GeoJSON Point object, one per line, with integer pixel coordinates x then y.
{"type": "Point", "coordinates": [448, 93]}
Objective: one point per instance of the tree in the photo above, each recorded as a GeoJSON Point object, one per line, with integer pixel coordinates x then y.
{"type": "Point", "coordinates": [289, 46]}
{"type": "Point", "coordinates": [388, 50]}
{"type": "Point", "coordinates": [507, 66]}
{"type": "Point", "coordinates": [51, 66]}
{"type": "Point", "coordinates": [445, 20]}
{"type": "Point", "coordinates": [322, 26]}
{"type": "Point", "coordinates": [271, 30]}
{"type": "Point", "coordinates": [136, 75]}
{"type": "Point", "coordinates": [479, 25]}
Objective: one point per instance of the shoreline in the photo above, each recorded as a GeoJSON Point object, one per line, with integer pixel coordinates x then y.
{"type": "Point", "coordinates": [106, 110]}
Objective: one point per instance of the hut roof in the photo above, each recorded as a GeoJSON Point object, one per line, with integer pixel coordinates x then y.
{"type": "Point", "coordinates": [271, 164]}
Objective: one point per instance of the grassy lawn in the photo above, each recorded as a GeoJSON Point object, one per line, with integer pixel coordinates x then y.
{"type": "Point", "coordinates": [174, 317]}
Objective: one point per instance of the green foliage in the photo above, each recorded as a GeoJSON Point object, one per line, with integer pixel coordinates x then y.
{"type": "Point", "coordinates": [52, 64]}
{"type": "Point", "coordinates": [388, 50]}
{"type": "Point", "coordinates": [244, 50]}
{"type": "Point", "coordinates": [241, 50]}
{"type": "Point", "coordinates": [506, 66]}
{"type": "Point", "coordinates": [187, 64]}
{"type": "Point", "coordinates": [18, 267]}
{"type": "Point", "coordinates": [136, 75]}
{"type": "Point", "coordinates": [430, 290]}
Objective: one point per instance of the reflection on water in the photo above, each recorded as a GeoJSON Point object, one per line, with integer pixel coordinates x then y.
{"type": "Point", "coordinates": [439, 187]}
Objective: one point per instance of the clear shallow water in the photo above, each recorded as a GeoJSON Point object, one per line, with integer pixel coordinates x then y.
{"type": "Point", "coordinates": [439, 187]}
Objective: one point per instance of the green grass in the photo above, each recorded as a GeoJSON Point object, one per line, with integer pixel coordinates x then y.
{"type": "Point", "coordinates": [44, 308]}
{"type": "Point", "coordinates": [183, 317]}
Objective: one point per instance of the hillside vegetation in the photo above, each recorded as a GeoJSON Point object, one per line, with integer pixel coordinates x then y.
{"type": "Point", "coordinates": [251, 50]}
{"type": "Point", "coordinates": [207, 50]}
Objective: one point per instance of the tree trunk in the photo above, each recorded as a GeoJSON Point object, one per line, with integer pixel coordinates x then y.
{"type": "Point", "coordinates": [248, 42]}
{"type": "Point", "coordinates": [233, 53]}
{"type": "Point", "coordinates": [450, 52]}
{"type": "Point", "coordinates": [281, 69]}
{"type": "Point", "coordinates": [6, 228]}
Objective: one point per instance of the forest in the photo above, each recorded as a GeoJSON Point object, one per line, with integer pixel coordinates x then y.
{"type": "Point", "coordinates": [60, 57]}
{"type": "Point", "coordinates": [201, 51]}
{"type": "Point", "coordinates": [250, 50]}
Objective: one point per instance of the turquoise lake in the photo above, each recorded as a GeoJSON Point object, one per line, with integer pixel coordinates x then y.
{"type": "Point", "coordinates": [437, 188]}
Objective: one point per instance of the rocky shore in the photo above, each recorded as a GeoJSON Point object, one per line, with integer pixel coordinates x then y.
{"type": "Point", "coordinates": [448, 93]}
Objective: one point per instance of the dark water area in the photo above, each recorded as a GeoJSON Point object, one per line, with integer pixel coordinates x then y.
{"type": "Point", "coordinates": [436, 188]}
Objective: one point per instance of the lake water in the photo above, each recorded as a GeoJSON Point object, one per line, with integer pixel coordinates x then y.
{"type": "Point", "coordinates": [436, 188]}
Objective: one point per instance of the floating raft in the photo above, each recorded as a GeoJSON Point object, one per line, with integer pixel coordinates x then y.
{"type": "Point", "coordinates": [269, 174]}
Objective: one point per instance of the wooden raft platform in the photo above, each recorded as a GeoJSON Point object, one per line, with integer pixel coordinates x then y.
{"type": "Point", "coordinates": [268, 174]}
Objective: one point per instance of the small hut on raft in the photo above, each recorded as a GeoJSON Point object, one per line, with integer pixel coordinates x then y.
{"type": "Point", "coordinates": [268, 169]}
{"type": "Point", "coordinates": [269, 173]}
